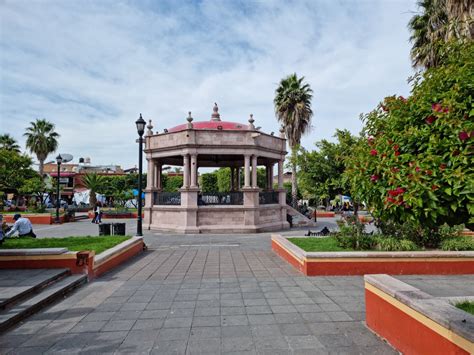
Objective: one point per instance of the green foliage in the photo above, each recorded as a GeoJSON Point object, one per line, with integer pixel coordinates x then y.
{"type": "Point", "coordinates": [9, 143]}
{"type": "Point", "coordinates": [97, 244]}
{"type": "Point", "coordinates": [223, 179]}
{"type": "Point", "coordinates": [318, 244]}
{"type": "Point", "coordinates": [458, 244]}
{"type": "Point", "coordinates": [172, 183]}
{"type": "Point", "coordinates": [466, 306]}
{"type": "Point", "coordinates": [394, 244]}
{"type": "Point", "coordinates": [96, 184]}
{"type": "Point", "coordinates": [414, 164]}
{"type": "Point", "coordinates": [34, 186]}
{"type": "Point", "coordinates": [209, 182]}
{"type": "Point", "coordinates": [15, 169]}
{"type": "Point", "coordinates": [321, 171]}
{"type": "Point", "coordinates": [352, 235]}
{"type": "Point", "coordinates": [41, 139]}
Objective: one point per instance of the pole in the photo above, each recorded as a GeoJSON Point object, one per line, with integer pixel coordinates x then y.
{"type": "Point", "coordinates": [140, 167]}
{"type": "Point", "coordinates": [58, 198]}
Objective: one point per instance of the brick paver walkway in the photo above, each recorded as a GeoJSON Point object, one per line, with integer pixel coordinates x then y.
{"type": "Point", "coordinates": [204, 296]}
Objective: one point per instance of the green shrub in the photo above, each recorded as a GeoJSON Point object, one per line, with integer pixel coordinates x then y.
{"type": "Point", "coordinates": [458, 244]}
{"type": "Point", "coordinates": [393, 244]}
{"type": "Point", "coordinates": [356, 242]}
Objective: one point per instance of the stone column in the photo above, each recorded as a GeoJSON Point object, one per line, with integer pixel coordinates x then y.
{"type": "Point", "coordinates": [254, 171]}
{"type": "Point", "coordinates": [239, 176]}
{"type": "Point", "coordinates": [185, 171]}
{"type": "Point", "coordinates": [158, 172]}
{"type": "Point", "coordinates": [269, 171]}
{"type": "Point", "coordinates": [247, 171]}
{"type": "Point", "coordinates": [232, 179]}
{"type": "Point", "coordinates": [194, 170]}
{"type": "Point", "coordinates": [150, 178]}
{"type": "Point", "coordinates": [280, 174]}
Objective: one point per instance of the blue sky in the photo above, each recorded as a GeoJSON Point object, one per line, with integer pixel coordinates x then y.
{"type": "Point", "coordinates": [91, 67]}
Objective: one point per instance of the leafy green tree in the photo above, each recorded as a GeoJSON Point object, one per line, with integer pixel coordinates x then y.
{"type": "Point", "coordinates": [172, 183]}
{"type": "Point", "coordinates": [15, 169]}
{"type": "Point", "coordinates": [209, 182]}
{"type": "Point", "coordinates": [293, 110]}
{"type": "Point", "coordinates": [96, 184]}
{"type": "Point", "coordinates": [42, 140]}
{"type": "Point", "coordinates": [438, 22]}
{"type": "Point", "coordinates": [414, 164]}
{"type": "Point", "coordinates": [320, 174]}
{"type": "Point", "coordinates": [35, 187]}
{"type": "Point", "coordinates": [9, 143]}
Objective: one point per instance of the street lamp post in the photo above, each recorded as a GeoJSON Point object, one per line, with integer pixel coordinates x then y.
{"type": "Point", "coordinates": [59, 160]}
{"type": "Point", "coordinates": [140, 123]}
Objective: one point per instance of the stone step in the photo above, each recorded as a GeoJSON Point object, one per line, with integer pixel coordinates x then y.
{"type": "Point", "coordinates": [30, 286]}
{"type": "Point", "coordinates": [49, 294]}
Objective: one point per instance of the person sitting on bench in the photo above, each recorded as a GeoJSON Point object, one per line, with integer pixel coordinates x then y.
{"type": "Point", "coordinates": [22, 226]}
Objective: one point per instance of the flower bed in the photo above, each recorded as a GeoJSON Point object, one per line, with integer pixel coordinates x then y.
{"type": "Point", "coordinates": [370, 262]}
{"type": "Point", "coordinates": [37, 218]}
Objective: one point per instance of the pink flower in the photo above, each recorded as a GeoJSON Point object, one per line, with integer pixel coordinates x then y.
{"type": "Point", "coordinates": [402, 99]}
{"type": "Point", "coordinates": [463, 136]}
{"type": "Point", "coordinates": [374, 178]}
{"type": "Point", "coordinates": [373, 152]}
{"type": "Point", "coordinates": [445, 110]}
{"type": "Point", "coordinates": [430, 119]}
{"type": "Point", "coordinates": [417, 169]}
{"type": "Point", "coordinates": [397, 153]}
{"type": "Point", "coordinates": [370, 140]}
{"type": "Point", "coordinates": [437, 107]}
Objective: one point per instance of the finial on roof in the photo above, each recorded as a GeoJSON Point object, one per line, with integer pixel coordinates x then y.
{"type": "Point", "coordinates": [251, 121]}
{"type": "Point", "coordinates": [150, 128]}
{"type": "Point", "coordinates": [215, 113]}
{"type": "Point", "coordinates": [190, 120]}
{"type": "Point", "coordinates": [282, 132]}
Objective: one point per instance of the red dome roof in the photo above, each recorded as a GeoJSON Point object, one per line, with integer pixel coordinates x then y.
{"type": "Point", "coordinates": [224, 125]}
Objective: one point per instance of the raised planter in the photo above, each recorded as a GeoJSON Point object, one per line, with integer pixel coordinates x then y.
{"type": "Point", "coordinates": [414, 322]}
{"type": "Point", "coordinates": [37, 218]}
{"type": "Point", "coordinates": [324, 214]}
{"type": "Point", "coordinates": [83, 262]}
{"type": "Point", "coordinates": [114, 215]}
{"type": "Point", "coordinates": [374, 262]}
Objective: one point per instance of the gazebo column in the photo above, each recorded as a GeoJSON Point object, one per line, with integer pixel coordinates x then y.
{"type": "Point", "coordinates": [189, 196]}
{"type": "Point", "coordinates": [282, 194]}
{"type": "Point", "coordinates": [269, 172]}
{"type": "Point", "coordinates": [185, 171]}
{"type": "Point", "coordinates": [158, 173]}
{"type": "Point", "coordinates": [247, 171]}
{"type": "Point", "coordinates": [232, 179]}
{"type": "Point", "coordinates": [254, 172]}
{"type": "Point", "coordinates": [194, 171]}
{"type": "Point", "coordinates": [150, 190]}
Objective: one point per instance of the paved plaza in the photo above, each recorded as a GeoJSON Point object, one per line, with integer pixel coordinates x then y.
{"type": "Point", "coordinates": [202, 295]}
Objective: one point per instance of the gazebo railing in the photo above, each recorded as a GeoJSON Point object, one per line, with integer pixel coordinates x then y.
{"type": "Point", "coordinates": [221, 198]}
{"type": "Point", "coordinates": [268, 197]}
{"type": "Point", "coordinates": [167, 198]}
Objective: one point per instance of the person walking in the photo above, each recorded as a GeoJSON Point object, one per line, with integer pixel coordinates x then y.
{"type": "Point", "coordinates": [97, 214]}
{"type": "Point", "coordinates": [22, 225]}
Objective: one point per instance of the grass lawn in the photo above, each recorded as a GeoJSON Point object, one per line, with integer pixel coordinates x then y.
{"type": "Point", "coordinates": [317, 244]}
{"type": "Point", "coordinates": [98, 244]}
{"type": "Point", "coordinates": [466, 306]}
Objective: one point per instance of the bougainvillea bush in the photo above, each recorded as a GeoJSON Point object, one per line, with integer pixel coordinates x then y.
{"type": "Point", "coordinates": [415, 164]}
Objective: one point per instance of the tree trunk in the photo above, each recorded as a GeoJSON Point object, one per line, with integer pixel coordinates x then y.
{"type": "Point", "coordinates": [294, 185]}
{"type": "Point", "coordinates": [92, 198]}
{"type": "Point", "coordinates": [41, 167]}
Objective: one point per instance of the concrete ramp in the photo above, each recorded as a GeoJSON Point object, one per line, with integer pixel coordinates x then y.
{"type": "Point", "coordinates": [299, 220]}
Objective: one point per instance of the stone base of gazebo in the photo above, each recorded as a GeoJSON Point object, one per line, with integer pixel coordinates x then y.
{"type": "Point", "coordinates": [216, 219]}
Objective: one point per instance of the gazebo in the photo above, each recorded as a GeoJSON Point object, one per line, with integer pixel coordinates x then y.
{"type": "Point", "coordinates": [246, 208]}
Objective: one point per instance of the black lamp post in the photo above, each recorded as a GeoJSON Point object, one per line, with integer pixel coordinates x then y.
{"type": "Point", "coordinates": [140, 129]}
{"type": "Point", "coordinates": [59, 160]}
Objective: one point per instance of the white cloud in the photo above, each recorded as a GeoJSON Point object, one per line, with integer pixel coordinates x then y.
{"type": "Point", "coordinates": [92, 67]}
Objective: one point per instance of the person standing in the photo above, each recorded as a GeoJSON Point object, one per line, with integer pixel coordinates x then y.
{"type": "Point", "coordinates": [23, 226]}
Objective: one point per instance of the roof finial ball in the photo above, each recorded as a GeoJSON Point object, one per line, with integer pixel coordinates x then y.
{"type": "Point", "coordinates": [150, 129]}
{"type": "Point", "coordinates": [251, 121]}
{"type": "Point", "coordinates": [190, 120]}
{"type": "Point", "coordinates": [215, 113]}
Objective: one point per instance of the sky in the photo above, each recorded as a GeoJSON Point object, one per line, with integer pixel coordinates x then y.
{"type": "Point", "coordinates": [91, 67]}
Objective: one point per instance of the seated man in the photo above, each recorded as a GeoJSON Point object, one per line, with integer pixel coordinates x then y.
{"type": "Point", "coordinates": [22, 226]}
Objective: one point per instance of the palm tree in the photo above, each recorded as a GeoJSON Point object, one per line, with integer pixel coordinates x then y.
{"type": "Point", "coordinates": [439, 21]}
{"type": "Point", "coordinates": [293, 110]}
{"type": "Point", "coordinates": [41, 139]}
{"type": "Point", "coordinates": [9, 143]}
{"type": "Point", "coordinates": [95, 183]}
